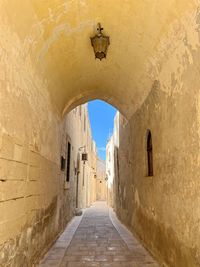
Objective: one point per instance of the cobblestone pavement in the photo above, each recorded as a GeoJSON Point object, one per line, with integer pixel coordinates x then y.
{"type": "Point", "coordinates": [97, 239]}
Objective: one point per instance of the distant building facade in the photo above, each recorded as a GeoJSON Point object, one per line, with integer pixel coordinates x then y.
{"type": "Point", "coordinates": [112, 163]}
{"type": "Point", "coordinates": [80, 156]}
{"type": "Point", "coordinates": [101, 185]}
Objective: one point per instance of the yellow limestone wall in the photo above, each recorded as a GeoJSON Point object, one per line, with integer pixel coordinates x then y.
{"type": "Point", "coordinates": [163, 210]}
{"type": "Point", "coordinates": [30, 142]}
{"type": "Point", "coordinates": [33, 205]}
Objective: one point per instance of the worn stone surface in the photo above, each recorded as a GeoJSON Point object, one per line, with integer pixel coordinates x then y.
{"type": "Point", "coordinates": [100, 240]}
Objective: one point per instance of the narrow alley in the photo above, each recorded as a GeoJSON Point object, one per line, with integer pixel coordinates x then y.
{"type": "Point", "coordinates": [97, 239]}
{"type": "Point", "coordinates": [61, 151]}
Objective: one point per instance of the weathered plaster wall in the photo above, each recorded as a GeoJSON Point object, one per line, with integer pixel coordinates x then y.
{"type": "Point", "coordinates": [163, 210]}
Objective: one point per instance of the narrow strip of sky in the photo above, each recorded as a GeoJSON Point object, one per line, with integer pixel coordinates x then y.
{"type": "Point", "coordinates": [101, 117]}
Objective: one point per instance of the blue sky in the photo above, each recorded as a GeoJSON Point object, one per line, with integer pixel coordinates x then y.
{"type": "Point", "coordinates": [101, 118]}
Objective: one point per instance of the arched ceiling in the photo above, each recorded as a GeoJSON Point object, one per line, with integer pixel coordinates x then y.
{"type": "Point", "coordinates": [57, 34]}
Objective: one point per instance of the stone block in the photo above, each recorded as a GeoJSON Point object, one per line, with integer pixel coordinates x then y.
{"type": "Point", "coordinates": [12, 190]}
{"type": "Point", "coordinates": [35, 159]}
{"type": "Point", "coordinates": [4, 169]}
{"type": "Point", "coordinates": [33, 188]}
{"type": "Point", "coordinates": [34, 173]}
{"type": "Point", "coordinates": [10, 229]}
{"type": "Point", "coordinates": [7, 147]}
{"type": "Point", "coordinates": [2, 212]}
{"type": "Point", "coordinates": [12, 170]}
{"type": "Point", "coordinates": [32, 203]}
{"type": "Point", "coordinates": [17, 152]}
{"type": "Point", "coordinates": [19, 170]}
{"type": "Point", "coordinates": [25, 155]}
{"type": "Point", "coordinates": [21, 151]}
{"type": "Point", "coordinates": [13, 209]}
{"type": "Point", "coordinates": [30, 217]}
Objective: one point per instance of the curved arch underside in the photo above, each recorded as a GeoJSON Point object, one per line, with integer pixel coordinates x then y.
{"type": "Point", "coordinates": [56, 36]}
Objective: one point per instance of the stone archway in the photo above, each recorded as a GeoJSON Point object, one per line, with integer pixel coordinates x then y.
{"type": "Point", "coordinates": [48, 68]}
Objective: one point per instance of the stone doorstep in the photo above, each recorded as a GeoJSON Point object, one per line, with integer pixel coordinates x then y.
{"type": "Point", "coordinates": [56, 253]}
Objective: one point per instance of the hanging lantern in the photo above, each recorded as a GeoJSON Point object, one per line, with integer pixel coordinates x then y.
{"type": "Point", "coordinates": [84, 157]}
{"type": "Point", "coordinates": [100, 43]}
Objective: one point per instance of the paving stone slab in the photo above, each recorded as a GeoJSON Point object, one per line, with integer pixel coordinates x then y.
{"type": "Point", "coordinates": [97, 239]}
